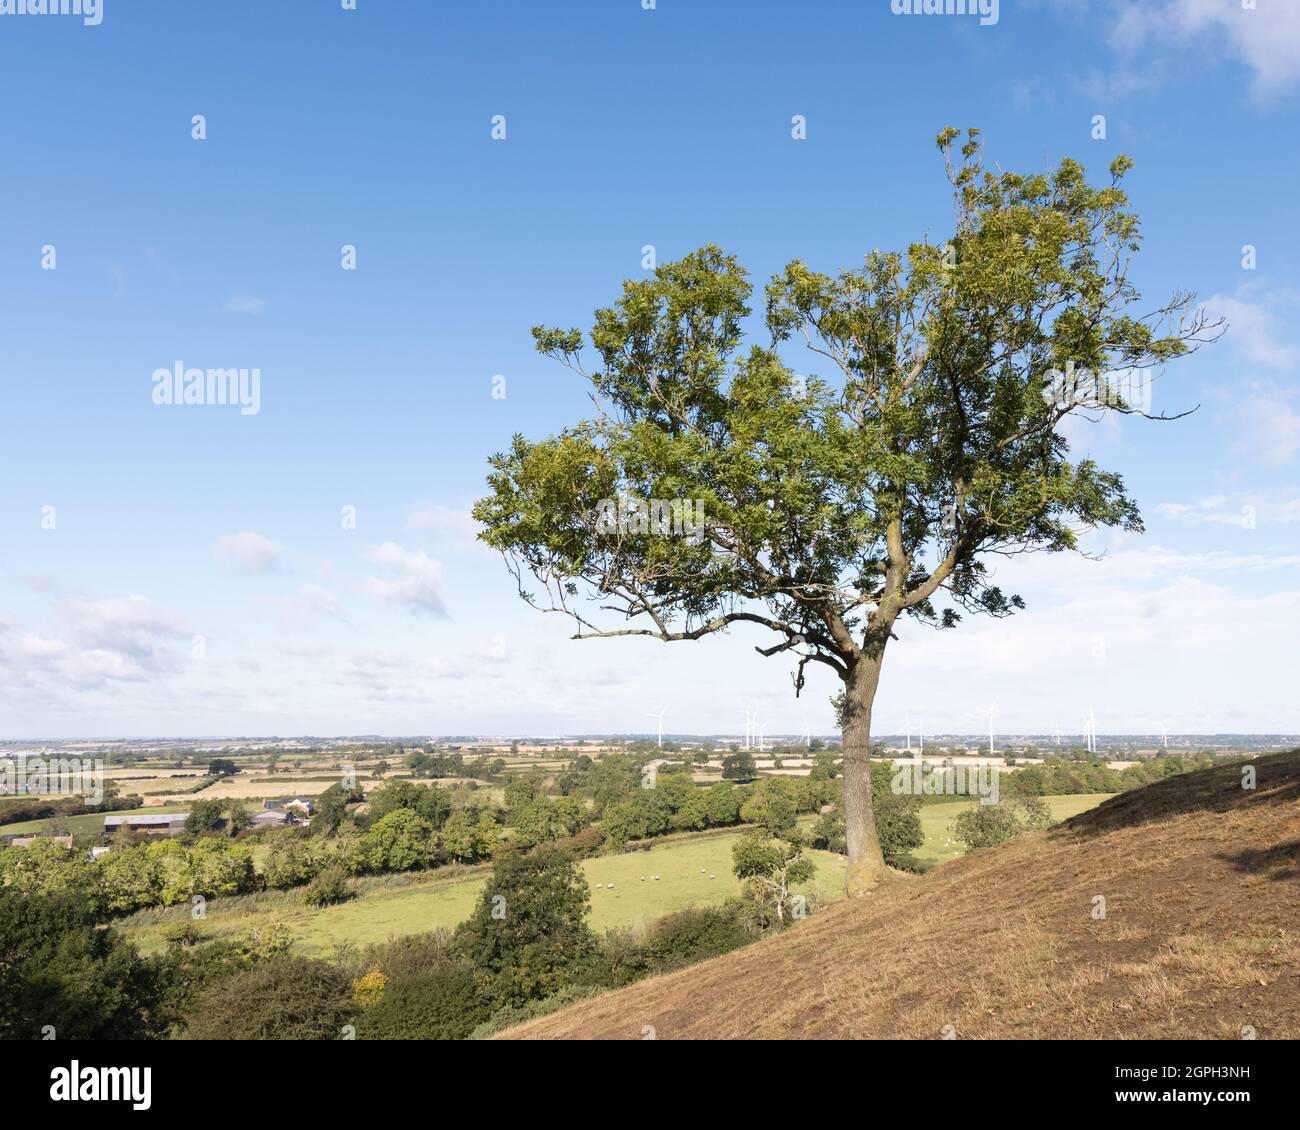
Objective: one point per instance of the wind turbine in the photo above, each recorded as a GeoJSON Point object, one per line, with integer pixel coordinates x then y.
{"type": "Point", "coordinates": [992, 706]}
{"type": "Point", "coordinates": [907, 721]}
{"type": "Point", "coordinates": [761, 731]}
{"type": "Point", "coordinates": [749, 725]}
{"type": "Point", "coordinates": [660, 717]}
{"type": "Point", "coordinates": [807, 732]}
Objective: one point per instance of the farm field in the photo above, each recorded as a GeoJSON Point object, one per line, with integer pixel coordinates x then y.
{"type": "Point", "coordinates": [937, 821]}
{"type": "Point", "coordinates": [131, 775]}
{"type": "Point", "coordinates": [413, 904]}
{"type": "Point", "coordinates": [281, 785]}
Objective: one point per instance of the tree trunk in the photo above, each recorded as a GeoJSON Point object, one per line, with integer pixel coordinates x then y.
{"type": "Point", "coordinates": [866, 863]}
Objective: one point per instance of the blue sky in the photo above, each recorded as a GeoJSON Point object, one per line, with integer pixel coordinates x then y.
{"type": "Point", "coordinates": [198, 577]}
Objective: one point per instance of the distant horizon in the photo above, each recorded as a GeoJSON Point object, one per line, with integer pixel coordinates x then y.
{"type": "Point", "coordinates": [974, 737]}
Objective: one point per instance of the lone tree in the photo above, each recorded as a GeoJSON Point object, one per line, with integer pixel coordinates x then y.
{"type": "Point", "coordinates": [827, 508]}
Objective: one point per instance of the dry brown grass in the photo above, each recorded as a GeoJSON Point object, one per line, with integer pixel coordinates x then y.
{"type": "Point", "coordinates": [1201, 936]}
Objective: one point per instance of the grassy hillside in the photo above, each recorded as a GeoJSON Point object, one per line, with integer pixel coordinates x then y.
{"type": "Point", "coordinates": [1201, 936]}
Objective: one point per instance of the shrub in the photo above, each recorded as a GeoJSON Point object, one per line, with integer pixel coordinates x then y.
{"type": "Point", "coordinates": [898, 822]}
{"type": "Point", "coordinates": [183, 933]}
{"type": "Point", "coordinates": [1034, 812]}
{"type": "Point", "coordinates": [770, 868]}
{"type": "Point", "coordinates": [328, 888]}
{"type": "Point", "coordinates": [265, 941]}
{"type": "Point", "coordinates": [408, 956]}
{"type": "Point", "coordinates": [619, 960]}
{"type": "Point", "coordinates": [510, 1015]}
{"type": "Point", "coordinates": [292, 861]}
{"type": "Point", "coordinates": [468, 836]}
{"type": "Point", "coordinates": [217, 868]}
{"type": "Point", "coordinates": [772, 805]}
{"type": "Point", "coordinates": [545, 819]}
{"type": "Point", "coordinates": [58, 968]}
{"type": "Point", "coordinates": [441, 1004]}
{"type": "Point", "coordinates": [828, 833]}
{"type": "Point", "coordinates": [205, 816]}
{"type": "Point", "coordinates": [987, 825]}
{"type": "Point", "coordinates": [189, 971]}
{"type": "Point", "coordinates": [582, 844]}
{"type": "Point", "coordinates": [528, 934]}
{"type": "Point", "coordinates": [645, 813]}
{"type": "Point", "coordinates": [400, 841]}
{"type": "Point", "coordinates": [368, 989]}
{"type": "Point", "coordinates": [288, 998]}
{"type": "Point", "coordinates": [696, 934]}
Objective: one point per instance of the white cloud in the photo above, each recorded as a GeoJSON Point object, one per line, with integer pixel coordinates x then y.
{"type": "Point", "coordinates": [320, 599]}
{"type": "Point", "coordinates": [1204, 511]}
{"type": "Point", "coordinates": [250, 552]}
{"type": "Point", "coordinates": [1255, 320]}
{"type": "Point", "coordinates": [1265, 38]}
{"type": "Point", "coordinates": [39, 647]}
{"type": "Point", "coordinates": [122, 638]}
{"type": "Point", "coordinates": [1271, 424]}
{"type": "Point", "coordinates": [1239, 509]}
{"type": "Point", "coordinates": [245, 304]}
{"type": "Point", "coordinates": [383, 675]}
{"type": "Point", "coordinates": [1264, 411]}
{"type": "Point", "coordinates": [1069, 573]}
{"type": "Point", "coordinates": [414, 579]}
{"type": "Point", "coordinates": [1196, 641]}
{"type": "Point", "coordinates": [132, 625]}
{"type": "Point", "coordinates": [453, 528]}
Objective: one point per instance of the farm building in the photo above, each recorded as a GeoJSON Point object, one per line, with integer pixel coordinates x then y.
{"type": "Point", "coordinates": [293, 803]}
{"type": "Point", "coordinates": [270, 818]}
{"type": "Point", "coordinates": [163, 823]}
{"type": "Point", "coordinates": [28, 840]}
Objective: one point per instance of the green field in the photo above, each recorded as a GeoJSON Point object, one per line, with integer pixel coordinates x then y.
{"type": "Point", "coordinates": [404, 904]}
{"type": "Point", "coordinates": [88, 824]}
{"type": "Point", "coordinates": [414, 903]}
{"type": "Point", "coordinates": [937, 822]}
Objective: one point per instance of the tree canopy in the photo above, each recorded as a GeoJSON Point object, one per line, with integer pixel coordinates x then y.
{"type": "Point", "coordinates": [718, 485]}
